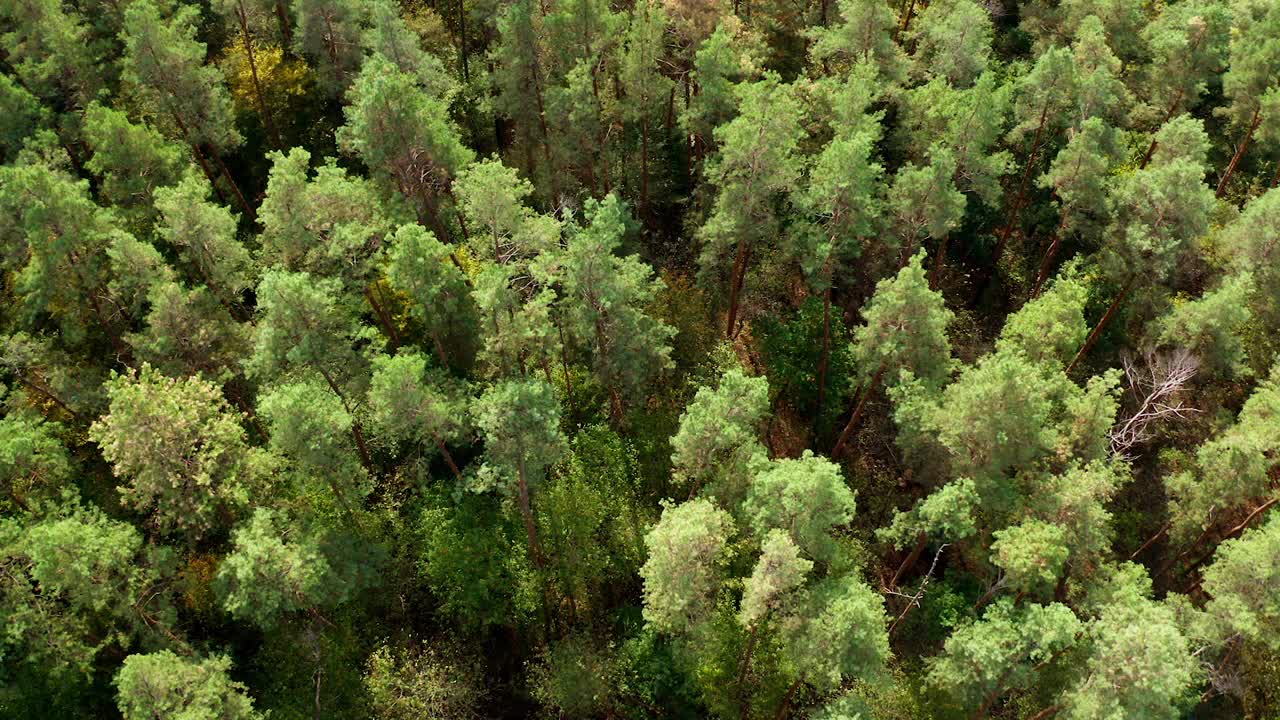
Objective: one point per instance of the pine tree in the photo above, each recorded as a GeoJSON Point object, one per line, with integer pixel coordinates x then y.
{"type": "Point", "coordinates": [164, 64]}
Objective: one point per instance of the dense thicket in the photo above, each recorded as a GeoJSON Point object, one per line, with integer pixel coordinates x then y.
{"type": "Point", "coordinates": [642, 359]}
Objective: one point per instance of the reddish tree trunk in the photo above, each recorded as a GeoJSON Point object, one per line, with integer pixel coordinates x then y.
{"type": "Point", "coordinates": [1235, 159]}
{"type": "Point", "coordinates": [857, 410]}
{"type": "Point", "coordinates": [825, 358]}
{"type": "Point", "coordinates": [735, 286]}
{"type": "Point", "coordinates": [253, 72]}
{"type": "Point", "coordinates": [1102, 324]}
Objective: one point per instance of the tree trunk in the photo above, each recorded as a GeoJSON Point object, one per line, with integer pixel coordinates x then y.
{"type": "Point", "coordinates": [1097, 329]}
{"type": "Point", "coordinates": [857, 410]}
{"type": "Point", "coordinates": [825, 359]}
{"type": "Point", "coordinates": [922, 542]}
{"type": "Point", "coordinates": [938, 262]}
{"type": "Point", "coordinates": [286, 26]}
{"type": "Point", "coordinates": [462, 42]}
{"type": "Point", "coordinates": [235, 189]}
{"type": "Point", "coordinates": [253, 72]}
{"type": "Point", "coordinates": [385, 320]}
{"type": "Point", "coordinates": [644, 168]}
{"type": "Point", "coordinates": [1150, 541]}
{"type": "Point", "coordinates": [1047, 263]}
{"type": "Point", "coordinates": [356, 432]}
{"type": "Point", "coordinates": [744, 699]}
{"type": "Point", "coordinates": [530, 529]}
{"type": "Point", "coordinates": [448, 456]}
{"type": "Point", "coordinates": [1235, 159]}
{"type": "Point", "coordinates": [735, 286]}
{"type": "Point", "coordinates": [785, 707]}
{"type": "Point", "coordinates": [1015, 209]}
{"type": "Point", "coordinates": [1173, 106]}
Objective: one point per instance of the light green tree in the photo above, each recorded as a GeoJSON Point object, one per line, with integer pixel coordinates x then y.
{"type": "Point", "coordinates": [164, 684]}
{"type": "Point", "coordinates": [906, 329]}
{"type": "Point", "coordinates": [758, 160]}
{"type": "Point", "coordinates": [719, 435]}
{"type": "Point", "coordinates": [178, 449]}
{"type": "Point", "coordinates": [686, 565]}
{"type": "Point", "coordinates": [520, 423]}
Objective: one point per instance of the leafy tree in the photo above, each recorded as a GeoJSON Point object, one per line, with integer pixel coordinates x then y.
{"type": "Point", "coordinates": [205, 236]}
{"type": "Point", "coordinates": [1241, 582]}
{"type": "Point", "coordinates": [402, 133]}
{"type": "Point", "coordinates": [405, 684]}
{"type": "Point", "coordinates": [520, 423]}
{"type": "Point", "coordinates": [1188, 44]}
{"type": "Point", "coordinates": [605, 298]}
{"type": "Point", "coordinates": [953, 40]}
{"type": "Point", "coordinates": [687, 553]}
{"type": "Point", "coordinates": [806, 497]}
{"type": "Point", "coordinates": [643, 85]}
{"type": "Point", "coordinates": [1157, 212]}
{"type": "Point", "coordinates": [418, 265]}
{"type": "Point", "coordinates": [77, 583]}
{"type": "Point", "coordinates": [274, 571]}
{"type": "Point", "coordinates": [905, 329]}
{"type": "Point", "coordinates": [133, 161]}
{"type": "Point", "coordinates": [1250, 79]}
{"type": "Point", "coordinates": [179, 450]}
{"type": "Point", "coordinates": [329, 33]}
{"type": "Point", "coordinates": [1002, 651]}
{"type": "Point", "coordinates": [164, 64]}
{"type": "Point", "coordinates": [757, 160]}
{"type": "Point", "coordinates": [410, 403]}
{"type": "Point", "coordinates": [1139, 664]}
{"type": "Point", "coordinates": [34, 464]}
{"type": "Point", "coordinates": [389, 36]}
{"type": "Point", "coordinates": [190, 332]}
{"type": "Point", "coordinates": [164, 684]}
{"type": "Point", "coordinates": [719, 435]}
{"type": "Point", "coordinates": [245, 14]}
{"type": "Point", "coordinates": [51, 53]}
{"type": "Point", "coordinates": [864, 34]}
{"type": "Point", "coordinates": [303, 326]}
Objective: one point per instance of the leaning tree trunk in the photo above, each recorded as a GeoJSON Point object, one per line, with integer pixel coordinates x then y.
{"type": "Point", "coordinates": [1235, 159]}
{"type": "Point", "coordinates": [858, 410]}
{"type": "Point", "coordinates": [1097, 329]}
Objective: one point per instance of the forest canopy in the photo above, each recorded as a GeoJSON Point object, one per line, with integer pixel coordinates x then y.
{"type": "Point", "coordinates": [737, 359]}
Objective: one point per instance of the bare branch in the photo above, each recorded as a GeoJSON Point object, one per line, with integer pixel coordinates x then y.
{"type": "Point", "coordinates": [1155, 384]}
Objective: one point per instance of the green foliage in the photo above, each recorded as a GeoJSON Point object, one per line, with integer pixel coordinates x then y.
{"type": "Point", "coordinates": [806, 497]}
{"type": "Point", "coordinates": [276, 569]}
{"type": "Point", "coordinates": [792, 351]}
{"type": "Point", "coordinates": [685, 566]}
{"type": "Point", "coordinates": [719, 436]}
{"type": "Point", "coordinates": [432, 682]}
{"type": "Point", "coordinates": [164, 65]}
{"type": "Point", "coordinates": [167, 685]}
{"type": "Point", "coordinates": [999, 652]}
{"type": "Point", "coordinates": [179, 450]}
